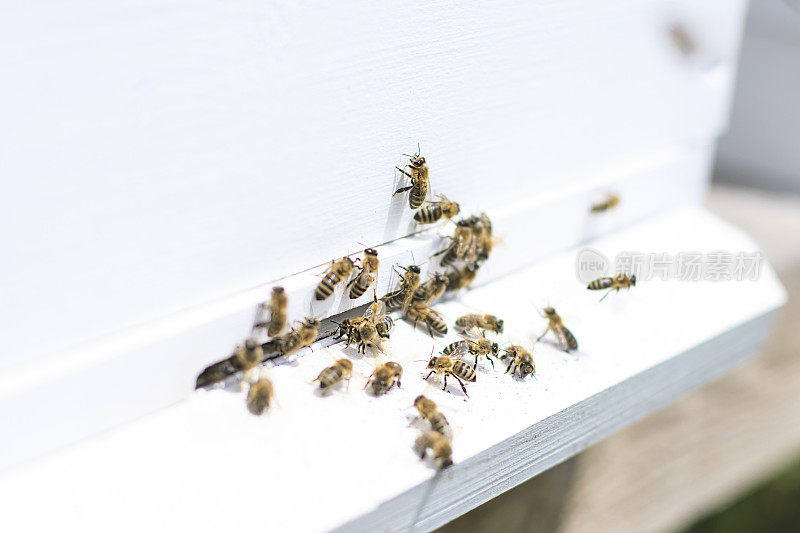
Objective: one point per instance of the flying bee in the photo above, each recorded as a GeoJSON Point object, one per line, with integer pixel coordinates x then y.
{"type": "Point", "coordinates": [435, 211]}
{"type": "Point", "coordinates": [296, 339]}
{"type": "Point", "coordinates": [484, 238]}
{"type": "Point", "coordinates": [441, 450]}
{"type": "Point", "coordinates": [338, 271]}
{"type": "Point", "coordinates": [460, 243]}
{"type": "Point", "coordinates": [566, 340]}
{"type": "Point", "coordinates": [432, 319]}
{"type": "Point", "coordinates": [477, 346]}
{"type": "Point", "coordinates": [259, 395]}
{"type": "Point", "coordinates": [366, 275]}
{"type": "Point", "coordinates": [385, 377]}
{"type": "Point", "coordinates": [419, 180]}
{"type": "Point", "coordinates": [429, 411]}
{"type": "Point", "coordinates": [277, 307]}
{"type": "Point", "coordinates": [431, 290]}
{"type": "Point", "coordinates": [330, 376]}
{"type": "Point", "coordinates": [460, 278]}
{"type": "Point", "coordinates": [520, 362]}
{"type": "Point", "coordinates": [611, 201]}
{"type": "Point", "coordinates": [245, 356]}
{"type": "Point", "coordinates": [453, 367]}
{"type": "Point", "coordinates": [484, 322]}
{"type": "Point", "coordinates": [620, 281]}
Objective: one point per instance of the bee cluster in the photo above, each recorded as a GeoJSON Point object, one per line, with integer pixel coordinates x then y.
{"type": "Point", "coordinates": [458, 263]}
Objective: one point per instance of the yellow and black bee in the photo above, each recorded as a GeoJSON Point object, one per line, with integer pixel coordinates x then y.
{"type": "Point", "coordinates": [339, 271]}
{"type": "Point", "coordinates": [296, 339]}
{"type": "Point", "coordinates": [432, 319]}
{"type": "Point", "coordinates": [366, 275]}
{"type": "Point", "coordinates": [277, 307]}
{"type": "Point", "coordinates": [259, 395]}
{"type": "Point", "coordinates": [439, 446]}
{"type": "Point", "coordinates": [431, 290]}
{"type": "Point", "coordinates": [429, 411]}
{"type": "Point", "coordinates": [460, 243]}
{"type": "Point", "coordinates": [452, 367]}
{"type": "Point", "coordinates": [477, 346]}
{"type": "Point", "coordinates": [611, 201]}
{"type": "Point", "coordinates": [620, 281]}
{"type": "Point", "coordinates": [338, 371]}
{"type": "Point", "coordinates": [566, 340]}
{"type": "Point", "coordinates": [245, 356]}
{"type": "Point", "coordinates": [385, 377]}
{"type": "Point", "coordinates": [460, 278]}
{"type": "Point", "coordinates": [436, 211]}
{"type": "Point", "coordinates": [419, 180]}
{"type": "Point", "coordinates": [484, 322]}
{"type": "Point", "coordinates": [520, 362]}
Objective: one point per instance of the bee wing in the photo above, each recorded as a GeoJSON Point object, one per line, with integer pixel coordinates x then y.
{"type": "Point", "coordinates": [461, 349]}
{"type": "Point", "coordinates": [472, 333]}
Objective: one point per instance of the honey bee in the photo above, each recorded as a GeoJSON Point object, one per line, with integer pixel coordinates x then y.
{"type": "Point", "coordinates": [277, 307]}
{"type": "Point", "coordinates": [431, 290]}
{"type": "Point", "coordinates": [393, 299]}
{"type": "Point", "coordinates": [620, 281]}
{"type": "Point", "coordinates": [366, 275]}
{"type": "Point", "coordinates": [463, 277]}
{"type": "Point", "coordinates": [483, 237]}
{"type": "Point", "coordinates": [453, 367]}
{"type": "Point", "coordinates": [385, 377]}
{"type": "Point", "coordinates": [367, 329]}
{"type": "Point", "coordinates": [477, 346]}
{"type": "Point", "coordinates": [429, 411]}
{"type": "Point", "coordinates": [460, 243]}
{"type": "Point", "coordinates": [259, 395]}
{"type": "Point", "coordinates": [484, 322]}
{"type": "Point", "coordinates": [408, 284]}
{"type": "Point", "coordinates": [338, 271]}
{"type": "Point", "coordinates": [245, 356]}
{"type": "Point", "coordinates": [441, 450]}
{"type": "Point", "coordinates": [566, 340]}
{"type": "Point", "coordinates": [294, 340]}
{"type": "Point", "coordinates": [520, 362]}
{"type": "Point", "coordinates": [432, 319]}
{"type": "Point", "coordinates": [338, 371]}
{"type": "Point", "coordinates": [419, 180]}
{"type": "Point", "coordinates": [611, 201]}
{"type": "Point", "coordinates": [435, 211]}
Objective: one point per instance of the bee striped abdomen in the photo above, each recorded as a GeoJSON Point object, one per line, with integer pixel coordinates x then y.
{"type": "Point", "coordinates": [327, 285]}
{"type": "Point", "coordinates": [437, 324]}
{"type": "Point", "coordinates": [329, 377]}
{"type": "Point", "coordinates": [418, 193]}
{"type": "Point", "coordinates": [360, 285]}
{"type": "Point", "coordinates": [450, 256]}
{"type": "Point", "coordinates": [428, 215]}
{"type": "Point", "coordinates": [569, 341]}
{"type": "Point", "coordinates": [600, 283]}
{"type": "Point", "coordinates": [394, 299]}
{"type": "Point", "coordinates": [439, 423]}
{"type": "Point", "coordinates": [457, 346]}
{"type": "Point", "coordinates": [463, 370]}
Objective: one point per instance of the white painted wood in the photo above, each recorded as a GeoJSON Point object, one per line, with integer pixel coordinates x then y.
{"type": "Point", "coordinates": [180, 346]}
{"type": "Point", "coordinates": [320, 463]}
{"type": "Point", "coordinates": [163, 155]}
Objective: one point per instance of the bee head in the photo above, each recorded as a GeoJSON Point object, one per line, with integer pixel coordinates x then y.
{"type": "Point", "coordinates": [416, 160]}
{"type": "Point", "coordinates": [371, 251]}
{"type": "Point", "coordinates": [250, 344]}
{"type": "Point", "coordinates": [526, 368]}
{"type": "Point", "coordinates": [432, 362]}
{"type": "Point", "coordinates": [549, 311]}
{"type": "Point", "coordinates": [414, 268]}
{"type": "Point", "coordinates": [495, 348]}
{"type": "Point", "coordinates": [633, 280]}
{"type": "Point", "coordinates": [419, 399]}
{"type": "Point", "coordinates": [277, 290]}
{"type": "Point", "coordinates": [464, 223]}
{"type": "Point", "coordinates": [499, 327]}
{"type": "Point", "coordinates": [311, 322]}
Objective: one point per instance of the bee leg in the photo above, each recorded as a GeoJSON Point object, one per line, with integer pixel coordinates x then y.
{"type": "Point", "coordinates": [542, 335]}
{"type": "Point", "coordinates": [462, 385]}
{"type": "Point", "coordinates": [369, 378]}
{"type": "Point", "coordinates": [476, 362]}
{"type": "Point", "coordinates": [406, 173]}
{"type": "Point", "coordinates": [445, 382]}
{"type": "Point", "coordinates": [348, 384]}
{"type": "Point", "coordinates": [490, 360]}
{"type": "Point", "coordinates": [429, 374]}
{"type": "Point", "coordinates": [398, 384]}
{"type": "Point", "coordinates": [606, 294]}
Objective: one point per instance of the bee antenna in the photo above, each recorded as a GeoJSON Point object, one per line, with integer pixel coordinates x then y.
{"type": "Point", "coordinates": [412, 257]}
{"type": "Point", "coordinates": [419, 150]}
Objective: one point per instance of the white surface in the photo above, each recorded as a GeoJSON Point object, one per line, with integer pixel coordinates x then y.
{"type": "Point", "coordinates": [161, 155]}
{"type": "Point", "coordinates": [314, 463]}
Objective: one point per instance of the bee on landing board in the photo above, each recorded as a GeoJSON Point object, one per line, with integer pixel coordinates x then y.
{"type": "Point", "coordinates": [453, 367]}
{"type": "Point", "coordinates": [277, 308]}
{"type": "Point", "coordinates": [432, 319]}
{"type": "Point", "coordinates": [428, 410]}
{"type": "Point", "coordinates": [334, 374]}
{"type": "Point", "coordinates": [484, 322]}
{"type": "Point", "coordinates": [385, 377]}
{"type": "Point", "coordinates": [566, 340]}
{"type": "Point", "coordinates": [440, 449]}
{"type": "Point", "coordinates": [339, 271]}
{"type": "Point", "coordinates": [472, 344]}
{"type": "Point", "coordinates": [620, 281]}
{"type": "Point", "coordinates": [611, 201]}
{"type": "Point", "coordinates": [408, 285]}
{"type": "Point", "coordinates": [520, 361]}
{"type": "Point", "coordinates": [305, 334]}
{"type": "Point", "coordinates": [366, 275]}
{"type": "Point", "coordinates": [432, 212]}
{"type": "Point", "coordinates": [431, 290]}
{"type": "Point", "coordinates": [419, 180]}
{"type": "Point", "coordinates": [259, 395]}
{"type": "Point", "coordinates": [245, 356]}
